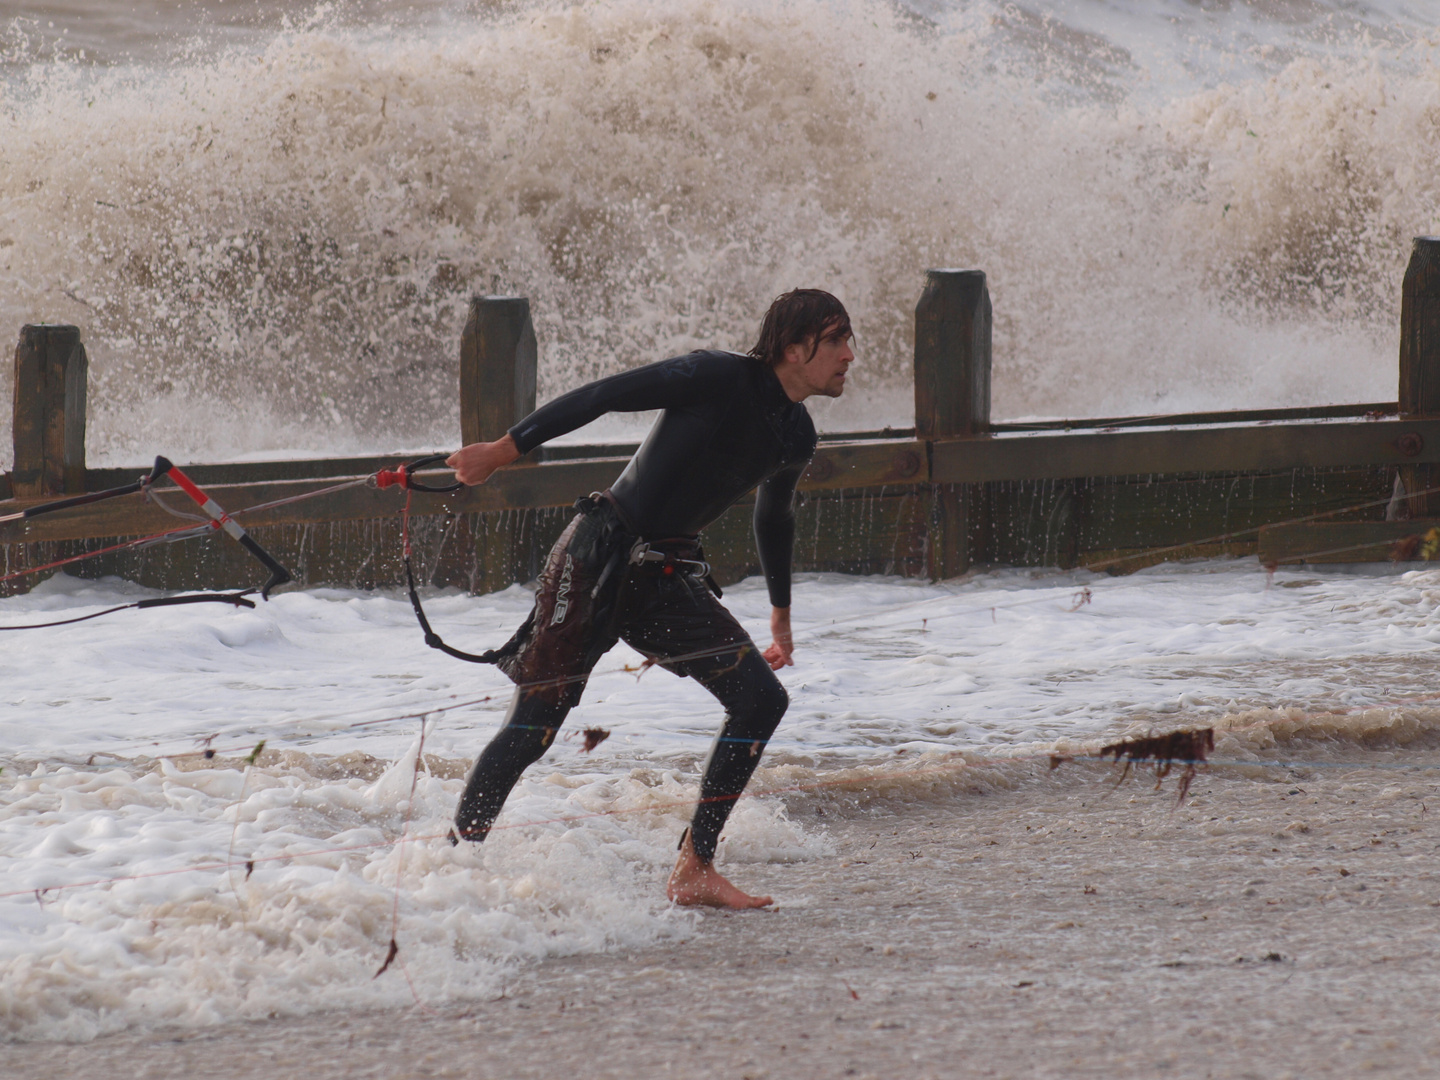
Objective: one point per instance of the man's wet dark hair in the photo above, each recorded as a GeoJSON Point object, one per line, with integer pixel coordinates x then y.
{"type": "Point", "coordinates": [798, 316]}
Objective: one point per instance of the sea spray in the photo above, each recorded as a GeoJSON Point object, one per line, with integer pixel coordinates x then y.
{"type": "Point", "coordinates": [274, 247]}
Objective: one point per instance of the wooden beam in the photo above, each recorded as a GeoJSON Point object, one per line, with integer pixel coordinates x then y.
{"type": "Point", "coordinates": [255, 472]}
{"type": "Point", "coordinates": [1420, 361]}
{"type": "Point", "coordinates": [497, 367]}
{"type": "Point", "coordinates": [520, 487]}
{"type": "Point", "coordinates": [1260, 448]}
{"type": "Point", "coordinates": [1342, 542]}
{"type": "Point", "coordinates": [1371, 410]}
{"type": "Point", "coordinates": [497, 388]}
{"type": "Point", "coordinates": [952, 398]}
{"type": "Point", "coordinates": [837, 466]}
{"type": "Point", "coordinates": [952, 355]}
{"type": "Point", "coordinates": [866, 464]}
{"type": "Point", "coordinates": [49, 411]}
{"type": "Point", "coordinates": [245, 472]}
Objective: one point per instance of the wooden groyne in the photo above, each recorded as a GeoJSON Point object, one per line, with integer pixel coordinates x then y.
{"type": "Point", "coordinates": [956, 490]}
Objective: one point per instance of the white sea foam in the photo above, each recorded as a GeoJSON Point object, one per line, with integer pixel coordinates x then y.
{"type": "Point", "coordinates": [317, 884]}
{"type": "Point", "coordinates": [271, 244]}
{"type": "Point", "coordinates": [902, 689]}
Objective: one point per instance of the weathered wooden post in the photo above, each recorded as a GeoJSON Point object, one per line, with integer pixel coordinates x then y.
{"type": "Point", "coordinates": [497, 367]}
{"type": "Point", "coordinates": [497, 388]}
{"type": "Point", "coordinates": [1420, 362]}
{"type": "Point", "coordinates": [49, 417]}
{"type": "Point", "coordinates": [952, 398]}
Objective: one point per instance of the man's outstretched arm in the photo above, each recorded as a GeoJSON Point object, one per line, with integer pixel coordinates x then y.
{"type": "Point", "coordinates": [474, 464]}
{"type": "Point", "coordinates": [679, 381]}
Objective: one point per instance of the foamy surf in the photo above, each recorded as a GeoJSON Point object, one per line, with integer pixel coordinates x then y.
{"type": "Point", "coordinates": [298, 885]}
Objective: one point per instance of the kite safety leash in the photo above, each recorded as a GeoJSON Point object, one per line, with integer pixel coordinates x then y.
{"type": "Point", "coordinates": [403, 476]}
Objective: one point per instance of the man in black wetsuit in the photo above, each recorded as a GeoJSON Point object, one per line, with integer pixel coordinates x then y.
{"type": "Point", "coordinates": [630, 567]}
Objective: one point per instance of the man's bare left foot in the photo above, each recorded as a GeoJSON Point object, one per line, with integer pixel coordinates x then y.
{"type": "Point", "coordinates": [696, 883]}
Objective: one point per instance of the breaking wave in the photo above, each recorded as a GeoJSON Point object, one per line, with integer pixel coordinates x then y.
{"type": "Point", "coordinates": [272, 245]}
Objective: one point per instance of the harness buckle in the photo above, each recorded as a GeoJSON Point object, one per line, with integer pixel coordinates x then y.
{"type": "Point", "coordinates": [643, 553]}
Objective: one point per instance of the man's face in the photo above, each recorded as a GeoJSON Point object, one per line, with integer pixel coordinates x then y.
{"type": "Point", "coordinates": [823, 373]}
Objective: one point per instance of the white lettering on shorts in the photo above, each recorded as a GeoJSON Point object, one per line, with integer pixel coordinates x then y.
{"type": "Point", "coordinates": [562, 594]}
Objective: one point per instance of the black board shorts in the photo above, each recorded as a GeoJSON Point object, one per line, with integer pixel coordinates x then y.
{"type": "Point", "coordinates": [591, 596]}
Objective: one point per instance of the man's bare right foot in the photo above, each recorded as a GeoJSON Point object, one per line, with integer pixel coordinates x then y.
{"type": "Point", "coordinates": [696, 883]}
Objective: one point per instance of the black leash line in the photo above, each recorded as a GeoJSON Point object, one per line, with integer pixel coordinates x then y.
{"type": "Point", "coordinates": [236, 598]}
{"type": "Point", "coordinates": [401, 476]}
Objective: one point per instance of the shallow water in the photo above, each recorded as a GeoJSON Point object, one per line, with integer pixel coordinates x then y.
{"type": "Point", "coordinates": [902, 690]}
{"type": "Point", "coordinates": [1027, 923]}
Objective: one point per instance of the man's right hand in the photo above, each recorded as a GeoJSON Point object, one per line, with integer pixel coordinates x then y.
{"type": "Point", "coordinates": [474, 464]}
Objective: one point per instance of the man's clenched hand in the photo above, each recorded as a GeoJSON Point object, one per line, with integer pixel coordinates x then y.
{"type": "Point", "coordinates": [474, 464]}
{"type": "Point", "coordinates": [782, 645]}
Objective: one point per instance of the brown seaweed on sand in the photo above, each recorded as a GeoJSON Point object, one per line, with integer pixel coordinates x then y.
{"type": "Point", "coordinates": [389, 958]}
{"type": "Point", "coordinates": [1185, 747]}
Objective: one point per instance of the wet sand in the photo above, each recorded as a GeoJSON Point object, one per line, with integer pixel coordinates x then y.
{"type": "Point", "coordinates": [1280, 923]}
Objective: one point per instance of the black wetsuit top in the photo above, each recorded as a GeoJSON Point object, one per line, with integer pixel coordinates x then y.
{"type": "Point", "coordinates": [727, 426]}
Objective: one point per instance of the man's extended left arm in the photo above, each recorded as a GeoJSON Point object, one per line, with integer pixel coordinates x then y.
{"type": "Point", "coordinates": [782, 645]}
{"type": "Point", "coordinates": [775, 542]}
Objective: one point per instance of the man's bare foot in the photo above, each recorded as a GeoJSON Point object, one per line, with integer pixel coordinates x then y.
{"type": "Point", "coordinates": [695, 883]}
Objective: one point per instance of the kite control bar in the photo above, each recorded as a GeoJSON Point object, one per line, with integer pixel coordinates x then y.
{"type": "Point", "coordinates": [278, 574]}
{"type": "Point", "coordinates": [160, 468]}
{"type": "Point", "coordinates": [219, 519]}
{"type": "Point", "coordinates": [402, 476]}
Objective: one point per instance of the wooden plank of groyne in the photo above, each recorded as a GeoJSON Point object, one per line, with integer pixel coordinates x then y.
{"type": "Point", "coordinates": [1374, 410]}
{"type": "Point", "coordinates": [1268, 448]}
{"type": "Point", "coordinates": [1058, 522]}
{"type": "Point", "coordinates": [253, 472]}
{"type": "Point", "coordinates": [872, 463]}
{"type": "Point", "coordinates": [1182, 510]}
{"type": "Point", "coordinates": [1340, 541]}
{"type": "Point", "coordinates": [520, 487]}
{"type": "Point", "coordinates": [859, 530]}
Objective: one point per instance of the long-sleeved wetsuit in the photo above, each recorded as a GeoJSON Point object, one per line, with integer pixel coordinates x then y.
{"type": "Point", "coordinates": [727, 426]}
